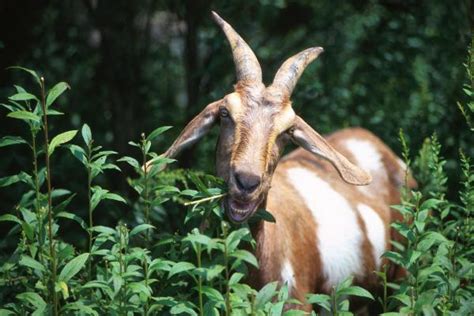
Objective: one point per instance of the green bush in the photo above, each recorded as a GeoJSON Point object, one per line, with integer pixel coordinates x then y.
{"type": "Point", "coordinates": [200, 267]}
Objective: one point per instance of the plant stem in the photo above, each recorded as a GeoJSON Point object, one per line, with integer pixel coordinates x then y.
{"type": "Point", "coordinates": [227, 274]}
{"type": "Point", "coordinates": [39, 217]}
{"type": "Point", "coordinates": [334, 302]}
{"type": "Point", "coordinates": [145, 270]}
{"type": "Point", "coordinates": [50, 202]}
{"type": "Point", "coordinates": [89, 207]}
{"type": "Point", "coordinates": [209, 198]}
{"type": "Point", "coordinates": [123, 268]}
{"type": "Point", "coordinates": [201, 306]}
{"type": "Point", "coordinates": [145, 189]}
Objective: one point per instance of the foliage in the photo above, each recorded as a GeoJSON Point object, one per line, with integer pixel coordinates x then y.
{"type": "Point", "coordinates": [438, 255]}
{"type": "Point", "coordinates": [198, 263]}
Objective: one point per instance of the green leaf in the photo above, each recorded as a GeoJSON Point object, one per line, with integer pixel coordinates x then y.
{"type": "Point", "coordinates": [24, 116]}
{"type": "Point", "coordinates": [11, 140]}
{"type": "Point", "coordinates": [265, 294]}
{"type": "Point", "coordinates": [27, 261]}
{"type": "Point", "coordinates": [321, 300]}
{"type": "Point", "coordinates": [235, 278]}
{"type": "Point", "coordinates": [73, 217]}
{"type": "Point", "coordinates": [246, 256]}
{"type": "Point", "coordinates": [73, 267]}
{"type": "Point", "coordinates": [21, 177]}
{"type": "Point", "coordinates": [212, 294]}
{"type": "Point", "coordinates": [235, 238]}
{"type": "Point", "coordinates": [86, 134]}
{"type": "Point", "coordinates": [10, 218]}
{"type": "Point", "coordinates": [55, 92]}
{"type": "Point", "coordinates": [96, 285]}
{"type": "Point", "coordinates": [6, 312]}
{"type": "Point", "coordinates": [277, 309]}
{"type": "Point", "coordinates": [355, 291]}
{"type": "Point", "coordinates": [80, 308]}
{"type": "Point", "coordinates": [115, 197]}
{"type": "Point", "coordinates": [104, 230]}
{"type": "Point", "coordinates": [60, 139]}
{"type": "Point", "coordinates": [265, 215]}
{"type": "Point", "coordinates": [31, 72]}
{"type": "Point", "coordinates": [182, 308]}
{"type": "Point", "coordinates": [79, 153]}
{"type": "Point", "coordinates": [23, 96]}
{"type": "Point", "coordinates": [138, 229]}
{"type": "Point", "coordinates": [181, 267]}
{"type": "Point", "coordinates": [34, 299]}
{"type": "Point", "coordinates": [131, 161]}
{"type": "Point", "coordinates": [157, 132]}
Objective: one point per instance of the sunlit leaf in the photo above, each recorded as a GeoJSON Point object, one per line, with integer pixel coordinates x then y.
{"type": "Point", "coordinates": [11, 140]}
{"type": "Point", "coordinates": [265, 294]}
{"type": "Point", "coordinates": [73, 267]}
{"type": "Point", "coordinates": [60, 139]}
{"type": "Point", "coordinates": [86, 134]}
{"type": "Point", "coordinates": [180, 267]}
{"type": "Point", "coordinates": [157, 132]}
{"type": "Point", "coordinates": [31, 263]}
{"type": "Point", "coordinates": [55, 92]}
{"type": "Point", "coordinates": [355, 291]}
{"type": "Point", "coordinates": [24, 116]}
{"type": "Point", "coordinates": [34, 299]}
{"type": "Point", "coordinates": [23, 96]}
{"type": "Point", "coordinates": [138, 229]}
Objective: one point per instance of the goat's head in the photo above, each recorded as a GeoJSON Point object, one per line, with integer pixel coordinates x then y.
{"type": "Point", "coordinates": [255, 124]}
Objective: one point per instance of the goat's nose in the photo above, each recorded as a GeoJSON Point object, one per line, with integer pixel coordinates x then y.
{"type": "Point", "coordinates": [246, 181]}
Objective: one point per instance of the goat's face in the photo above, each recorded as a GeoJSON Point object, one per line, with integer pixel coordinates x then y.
{"type": "Point", "coordinates": [254, 128]}
{"type": "Point", "coordinates": [255, 124]}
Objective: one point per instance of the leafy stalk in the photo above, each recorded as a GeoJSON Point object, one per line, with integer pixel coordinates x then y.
{"type": "Point", "coordinates": [144, 148]}
{"type": "Point", "coordinates": [228, 310]}
{"type": "Point", "coordinates": [50, 203]}
{"type": "Point", "coordinates": [199, 265]}
{"type": "Point", "coordinates": [89, 206]}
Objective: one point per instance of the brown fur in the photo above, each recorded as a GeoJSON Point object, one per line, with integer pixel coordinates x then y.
{"type": "Point", "coordinates": [294, 222]}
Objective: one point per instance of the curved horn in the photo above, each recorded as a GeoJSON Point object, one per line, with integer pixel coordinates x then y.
{"type": "Point", "coordinates": [246, 63]}
{"type": "Point", "coordinates": [292, 69]}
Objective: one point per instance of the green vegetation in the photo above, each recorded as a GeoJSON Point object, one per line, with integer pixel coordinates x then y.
{"type": "Point", "coordinates": [199, 271]}
{"type": "Point", "coordinates": [85, 230]}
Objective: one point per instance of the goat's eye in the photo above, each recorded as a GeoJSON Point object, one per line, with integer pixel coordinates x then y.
{"type": "Point", "coordinates": [223, 112]}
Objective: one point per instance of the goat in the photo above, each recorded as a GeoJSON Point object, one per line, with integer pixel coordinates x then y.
{"type": "Point", "coordinates": [326, 229]}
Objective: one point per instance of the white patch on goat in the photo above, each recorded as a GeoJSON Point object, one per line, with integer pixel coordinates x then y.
{"type": "Point", "coordinates": [375, 231]}
{"type": "Point", "coordinates": [368, 158]}
{"type": "Point", "coordinates": [288, 275]}
{"type": "Point", "coordinates": [338, 234]}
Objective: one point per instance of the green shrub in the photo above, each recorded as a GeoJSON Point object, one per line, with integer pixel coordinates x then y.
{"type": "Point", "coordinates": [199, 268]}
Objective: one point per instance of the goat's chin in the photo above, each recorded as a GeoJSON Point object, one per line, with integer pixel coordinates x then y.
{"type": "Point", "coordinates": [238, 211]}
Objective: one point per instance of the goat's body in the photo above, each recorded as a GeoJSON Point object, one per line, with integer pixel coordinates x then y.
{"type": "Point", "coordinates": [326, 229]}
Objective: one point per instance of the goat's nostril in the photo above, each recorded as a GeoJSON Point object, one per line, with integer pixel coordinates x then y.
{"type": "Point", "coordinates": [247, 181]}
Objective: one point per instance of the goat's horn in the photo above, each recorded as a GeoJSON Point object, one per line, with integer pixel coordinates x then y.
{"type": "Point", "coordinates": [246, 63]}
{"type": "Point", "coordinates": [292, 69]}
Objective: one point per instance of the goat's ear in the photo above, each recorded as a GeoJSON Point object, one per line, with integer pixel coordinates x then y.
{"type": "Point", "coordinates": [306, 137]}
{"type": "Point", "coordinates": [194, 131]}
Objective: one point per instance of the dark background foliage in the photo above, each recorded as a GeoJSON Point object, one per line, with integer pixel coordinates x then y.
{"type": "Point", "coordinates": [136, 65]}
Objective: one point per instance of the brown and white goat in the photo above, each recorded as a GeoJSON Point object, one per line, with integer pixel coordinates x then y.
{"type": "Point", "coordinates": [326, 229]}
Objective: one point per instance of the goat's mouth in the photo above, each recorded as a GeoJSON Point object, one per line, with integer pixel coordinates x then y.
{"type": "Point", "coordinates": [239, 211]}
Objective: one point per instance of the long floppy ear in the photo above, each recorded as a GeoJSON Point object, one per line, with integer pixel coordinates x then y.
{"type": "Point", "coordinates": [195, 130]}
{"type": "Point", "coordinates": [306, 137]}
